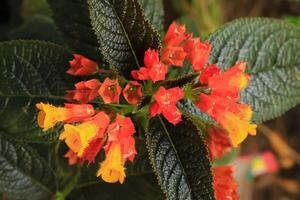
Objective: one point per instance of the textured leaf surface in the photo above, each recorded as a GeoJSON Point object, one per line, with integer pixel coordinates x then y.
{"type": "Point", "coordinates": [30, 72]}
{"type": "Point", "coordinates": [23, 173]}
{"type": "Point", "coordinates": [154, 12]}
{"type": "Point", "coordinates": [72, 19]}
{"type": "Point", "coordinates": [123, 32]}
{"type": "Point", "coordinates": [271, 49]}
{"type": "Point", "coordinates": [179, 158]}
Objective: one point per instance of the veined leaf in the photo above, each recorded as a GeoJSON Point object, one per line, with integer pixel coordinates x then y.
{"type": "Point", "coordinates": [123, 32]}
{"type": "Point", "coordinates": [72, 19]}
{"type": "Point", "coordinates": [30, 72]}
{"type": "Point", "coordinates": [180, 159]}
{"type": "Point", "coordinates": [154, 12]}
{"type": "Point", "coordinates": [24, 174]}
{"type": "Point", "coordinates": [271, 50]}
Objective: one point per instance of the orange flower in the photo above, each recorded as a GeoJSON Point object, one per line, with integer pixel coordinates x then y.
{"type": "Point", "coordinates": [133, 92]}
{"type": "Point", "coordinates": [121, 131]}
{"type": "Point", "coordinates": [82, 139]}
{"type": "Point", "coordinates": [110, 91]}
{"type": "Point", "coordinates": [218, 142]}
{"type": "Point", "coordinates": [165, 103]}
{"type": "Point", "coordinates": [154, 70]}
{"type": "Point", "coordinates": [224, 184]}
{"type": "Point", "coordinates": [229, 83]}
{"type": "Point", "coordinates": [81, 66]}
{"type": "Point", "coordinates": [173, 56]}
{"type": "Point", "coordinates": [112, 168]}
{"type": "Point", "coordinates": [85, 92]}
{"type": "Point", "coordinates": [49, 115]}
{"type": "Point", "coordinates": [197, 52]}
{"type": "Point", "coordinates": [175, 35]}
{"type": "Point", "coordinates": [208, 73]}
{"type": "Point", "coordinates": [233, 117]}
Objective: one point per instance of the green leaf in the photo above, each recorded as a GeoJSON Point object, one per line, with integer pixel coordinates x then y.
{"type": "Point", "coordinates": [72, 19]}
{"type": "Point", "coordinates": [180, 159]}
{"type": "Point", "coordinates": [271, 50]}
{"type": "Point", "coordinates": [123, 33]}
{"type": "Point", "coordinates": [24, 174]}
{"type": "Point", "coordinates": [30, 72]}
{"type": "Point", "coordinates": [154, 12]}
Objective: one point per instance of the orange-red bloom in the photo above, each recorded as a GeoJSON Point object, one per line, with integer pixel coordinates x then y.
{"type": "Point", "coordinates": [233, 117]}
{"type": "Point", "coordinates": [165, 103]}
{"type": "Point", "coordinates": [85, 91]}
{"type": "Point", "coordinates": [133, 92]}
{"type": "Point", "coordinates": [224, 184]}
{"type": "Point", "coordinates": [110, 91]}
{"type": "Point", "coordinates": [175, 35]}
{"type": "Point", "coordinates": [229, 83]}
{"type": "Point", "coordinates": [208, 73]}
{"type": "Point", "coordinates": [121, 131]}
{"type": "Point", "coordinates": [81, 66]}
{"type": "Point", "coordinates": [85, 139]}
{"type": "Point", "coordinates": [154, 70]}
{"type": "Point", "coordinates": [218, 143]}
{"type": "Point", "coordinates": [72, 157]}
{"type": "Point", "coordinates": [49, 115]}
{"type": "Point", "coordinates": [173, 56]}
{"type": "Point", "coordinates": [197, 52]}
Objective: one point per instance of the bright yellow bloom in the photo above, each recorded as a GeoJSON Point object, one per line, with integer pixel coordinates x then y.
{"type": "Point", "coordinates": [112, 169]}
{"type": "Point", "coordinates": [78, 137]}
{"type": "Point", "coordinates": [237, 127]}
{"type": "Point", "coordinates": [49, 115]}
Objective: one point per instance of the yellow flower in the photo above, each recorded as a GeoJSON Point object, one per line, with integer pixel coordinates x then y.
{"type": "Point", "coordinates": [112, 169]}
{"type": "Point", "coordinates": [237, 127]}
{"type": "Point", "coordinates": [49, 115]}
{"type": "Point", "coordinates": [78, 137]}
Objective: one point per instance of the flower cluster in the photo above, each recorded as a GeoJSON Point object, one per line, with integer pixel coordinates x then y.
{"type": "Point", "coordinates": [93, 120]}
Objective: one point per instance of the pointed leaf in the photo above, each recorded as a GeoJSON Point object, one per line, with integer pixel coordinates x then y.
{"type": "Point", "coordinates": [72, 19]}
{"type": "Point", "coordinates": [123, 32]}
{"type": "Point", "coordinates": [271, 49]}
{"type": "Point", "coordinates": [180, 159]}
{"type": "Point", "coordinates": [24, 174]}
{"type": "Point", "coordinates": [30, 72]}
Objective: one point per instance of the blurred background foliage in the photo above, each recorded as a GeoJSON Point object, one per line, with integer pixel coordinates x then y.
{"type": "Point", "coordinates": [31, 19]}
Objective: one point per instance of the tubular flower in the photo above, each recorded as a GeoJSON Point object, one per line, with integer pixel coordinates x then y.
{"type": "Point", "coordinates": [49, 115]}
{"type": "Point", "coordinates": [121, 131]}
{"type": "Point", "coordinates": [224, 184]}
{"type": "Point", "coordinates": [83, 138]}
{"type": "Point", "coordinates": [208, 73]}
{"type": "Point", "coordinates": [197, 52]}
{"type": "Point", "coordinates": [110, 91]}
{"type": "Point", "coordinates": [133, 92]}
{"type": "Point", "coordinates": [175, 35]}
{"type": "Point", "coordinates": [229, 83]}
{"type": "Point", "coordinates": [173, 56]}
{"type": "Point", "coordinates": [233, 117]}
{"type": "Point", "coordinates": [85, 91]}
{"type": "Point", "coordinates": [112, 168]}
{"type": "Point", "coordinates": [81, 66]}
{"type": "Point", "coordinates": [72, 157]}
{"type": "Point", "coordinates": [154, 70]}
{"type": "Point", "coordinates": [218, 143]}
{"type": "Point", "coordinates": [165, 103]}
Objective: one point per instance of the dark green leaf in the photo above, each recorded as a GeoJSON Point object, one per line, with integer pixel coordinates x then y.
{"type": "Point", "coordinates": [271, 50]}
{"type": "Point", "coordinates": [30, 72]}
{"type": "Point", "coordinates": [72, 19]}
{"type": "Point", "coordinates": [123, 32]}
{"type": "Point", "coordinates": [180, 159]}
{"type": "Point", "coordinates": [154, 12]}
{"type": "Point", "coordinates": [24, 174]}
